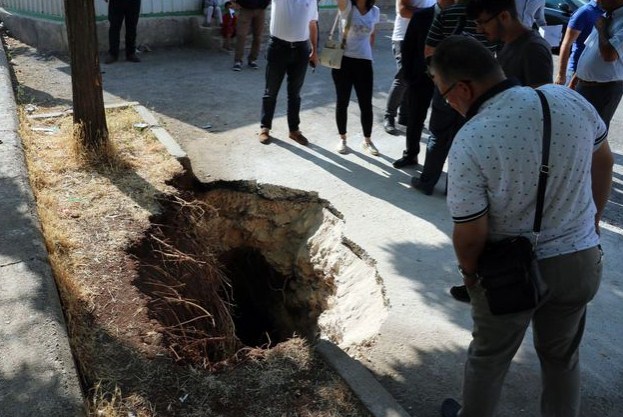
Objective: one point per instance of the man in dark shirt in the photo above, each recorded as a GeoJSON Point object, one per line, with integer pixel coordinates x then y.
{"type": "Point", "coordinates": [444, 120]}
{"type": "Point", "coordinates": [118, 11]}
{"type": "Point", "coordinates": [525, 56]}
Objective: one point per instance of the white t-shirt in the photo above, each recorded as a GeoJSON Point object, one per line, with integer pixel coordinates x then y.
{"type": "Point", "coordinates": [401, 23]}
{"type": "Point", "coordinates": [591, 66]}
{"type": "Point", "coordinates": [289, 19]}
{"type": "Point", "coordinates": [361, 28]}
{"type": "Point", "coordinates": [494, 168]}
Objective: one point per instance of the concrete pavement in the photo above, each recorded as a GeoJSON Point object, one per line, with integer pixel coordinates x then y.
{"type": "Point", "coordinates": [419, 351]}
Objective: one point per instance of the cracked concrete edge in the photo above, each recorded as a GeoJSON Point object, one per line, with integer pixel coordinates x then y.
{"type": "Point", "coordinates": [38, 375]}
{"type": "Point", "coordinates": [376, 399]}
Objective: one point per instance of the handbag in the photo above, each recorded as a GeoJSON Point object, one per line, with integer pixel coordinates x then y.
{"type": "Point", "coordinates": [508, 268]}
{"type": "Point", "coordinates": [333, 50]}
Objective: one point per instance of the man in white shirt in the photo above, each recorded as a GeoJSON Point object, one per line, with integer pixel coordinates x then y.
{"type": "Point", "coordinates": [530, 12]}
{"type": "Point", "coordinates": [292, 46]}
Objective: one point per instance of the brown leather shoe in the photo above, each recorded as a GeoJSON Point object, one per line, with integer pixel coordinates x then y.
{"type": "Point", "coordinates": [298, 137]}
{"type": "Point", "coordinates": [264, 137]}
{"type": "Point", "coordinates": [132, 58]}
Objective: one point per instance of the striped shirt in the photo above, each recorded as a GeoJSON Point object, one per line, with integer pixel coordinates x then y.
{"type": "Point", "coordinates": [453, 21]}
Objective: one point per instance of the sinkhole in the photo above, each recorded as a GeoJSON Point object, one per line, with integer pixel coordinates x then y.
{"type": "Point", "coordinates": [240, 264]}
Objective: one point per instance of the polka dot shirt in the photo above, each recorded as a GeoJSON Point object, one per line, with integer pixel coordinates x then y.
{"type": "Point", "coordinates": [494, 168]}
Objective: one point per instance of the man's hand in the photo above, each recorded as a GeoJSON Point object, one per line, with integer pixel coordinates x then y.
{"type": "Point", "coordinates": [313, 58]}
{"type": "Point", "coordinates": [560, 79]}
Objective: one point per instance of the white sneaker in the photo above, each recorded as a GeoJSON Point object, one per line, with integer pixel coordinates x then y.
{"type": "Point", "coordinates": [342, 148]}
{"type": "Point", "coordinates": [370, 148]}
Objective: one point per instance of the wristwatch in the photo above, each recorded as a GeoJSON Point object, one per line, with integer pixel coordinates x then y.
{"type": "Point", "coordinates": [468, 275]}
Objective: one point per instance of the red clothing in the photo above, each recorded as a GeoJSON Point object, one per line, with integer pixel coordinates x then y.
{"type": "Point", "coordinates": [228, 30]}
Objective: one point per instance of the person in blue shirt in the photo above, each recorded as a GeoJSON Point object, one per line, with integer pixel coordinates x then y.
{"type": "Point", "coordinates": [579, 27]}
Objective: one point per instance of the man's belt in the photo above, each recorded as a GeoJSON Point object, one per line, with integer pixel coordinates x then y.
{"type": "Point", "coordinates": [288, 44]}
{"type": "Point", "coordinates": [597, 83]}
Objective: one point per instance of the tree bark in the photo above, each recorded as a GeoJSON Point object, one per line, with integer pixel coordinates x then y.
{"type": "Point", "coordinates": [86, 79]}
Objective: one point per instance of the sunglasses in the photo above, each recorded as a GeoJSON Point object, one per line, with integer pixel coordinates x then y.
{"type": "Point", "coordinates": [485, 21]}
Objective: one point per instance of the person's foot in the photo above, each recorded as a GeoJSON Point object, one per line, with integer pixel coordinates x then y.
{"type": "Point", "coordinates": [460, 293]}
{"type": "Point", "coordinates": [132, 58]}
{"type": "Point", "coordinates": [450, 408]}
{"type": "Point", "coordinates": [298, 137]}
{"type": "Point", "coordinates": [342, 148]}
{"type": "Point", "coordinates": [369, 147]}
{"type": "Point", "coordinates": [110, 59]}
{"type": "Point", "coordinates": [264, 137]}
{"type": "Point", "coordinates": [237, 66]}
{"type": "Point", "coordinates": [389, 125]}
{"type": "Point", "coordinates": [415, 183]}
{"type": "Point", "coordinates": [404, 162]}
{"type": "Point", "coordinates": [253, 65]}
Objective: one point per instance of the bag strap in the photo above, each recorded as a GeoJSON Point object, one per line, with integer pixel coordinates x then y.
{"type": "Point", "coordinates": [346, 29]}
{"type": "Point", "coordinates": [544, 169]}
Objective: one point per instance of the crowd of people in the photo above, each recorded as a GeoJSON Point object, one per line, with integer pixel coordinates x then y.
{"type": "Point", "coordinates": [478, 65]}
{"type": "Point", "coordinates": [484, 74]}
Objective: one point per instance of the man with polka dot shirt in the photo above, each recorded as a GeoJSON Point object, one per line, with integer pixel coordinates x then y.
{"type": "Point", "coordinates": [493, 174]}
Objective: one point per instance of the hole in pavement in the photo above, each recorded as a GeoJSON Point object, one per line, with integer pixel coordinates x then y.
{"type": "Point", "coordinates": [234, 264]}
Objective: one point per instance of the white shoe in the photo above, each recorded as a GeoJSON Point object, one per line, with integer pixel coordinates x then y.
{"type": "Point", "coordinates": [342, 148]}
{"type": "Point", "coordinates": [370, 148]}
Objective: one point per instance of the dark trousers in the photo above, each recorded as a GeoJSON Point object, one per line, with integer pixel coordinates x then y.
{"type": "Point", "coordinates": [444, 123]}
{"type": "Point", "coordinates": [605, 97]}
{"type": "Point", "coordinates": [397, 96]}
{"type": "Point", "coordinates": [118, 11]}
{"type": "Point", "coordinates": [284, 58]}
{"type": "Point", "coordinates": [420, 93]}
{"type": "Point", "coordinates": [355, 73]}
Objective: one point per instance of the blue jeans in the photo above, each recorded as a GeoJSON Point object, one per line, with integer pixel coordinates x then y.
{"type": "Point", "coordinates": [283, 58]}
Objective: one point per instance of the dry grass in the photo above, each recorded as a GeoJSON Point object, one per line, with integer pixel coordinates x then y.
{"type": "Point", "coordinates": [91, 215]}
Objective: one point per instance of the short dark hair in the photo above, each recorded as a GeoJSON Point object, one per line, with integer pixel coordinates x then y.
{"type": "Point", "coordinates": [492, 7]}
{"type": "Point", "coordinates": [227, 3]}
{"type": "Point", "coordinates": [462, 57]}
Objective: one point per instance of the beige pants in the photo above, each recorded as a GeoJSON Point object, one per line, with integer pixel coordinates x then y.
{"type": "Point", "coordinates": [249, 20]}
{"type": "Point", "coordinates": [558, 326]}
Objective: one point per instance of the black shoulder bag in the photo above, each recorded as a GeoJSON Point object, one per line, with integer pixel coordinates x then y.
{"type": "Point", "coordinates": [508, 268]}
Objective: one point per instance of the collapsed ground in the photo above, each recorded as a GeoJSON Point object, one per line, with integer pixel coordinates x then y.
{"type": "Point", "coordinates": [133, 358]}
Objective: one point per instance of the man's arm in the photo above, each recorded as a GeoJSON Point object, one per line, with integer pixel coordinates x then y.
{"type": "Point", "coordinates": [606, 50]}
{"type": "Point", "coordinates": [565, 52]}
{"type": "Point", "coordinates": [469, 239]}
{"type": "Point", "coordinates": [601, 177]}
{"type": "Point", "coordinates": [313, 38]}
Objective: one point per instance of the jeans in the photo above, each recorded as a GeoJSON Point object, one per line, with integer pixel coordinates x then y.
{"type": "Point", "coordinates": [558, 325]}
{"type": "Point", "coordinates": [118, 11]}
{"type": "Point", "coordinates": [420, 94]}
{"type": "Point", "coordinates": [444, 123]}
{"type": "Point", "coordinates": [605, 97]}
{"type": "Point", "coordinates": [397, 96]}
{"type": "Point", "coordinates": [284, 58]}
{"type": "Point", "coordinates": [249, 19]}
{"type": "Point", "coordinates": [355, 73]}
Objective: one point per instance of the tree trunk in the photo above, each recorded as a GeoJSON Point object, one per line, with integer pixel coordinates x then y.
{"type": "Point", "coordinates": [86, 79]}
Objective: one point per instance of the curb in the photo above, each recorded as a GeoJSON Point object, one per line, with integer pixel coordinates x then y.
{"type": "Point", "coordinates": [370, 392]}
{"type": "Point", "coordinates": [38, 375]}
